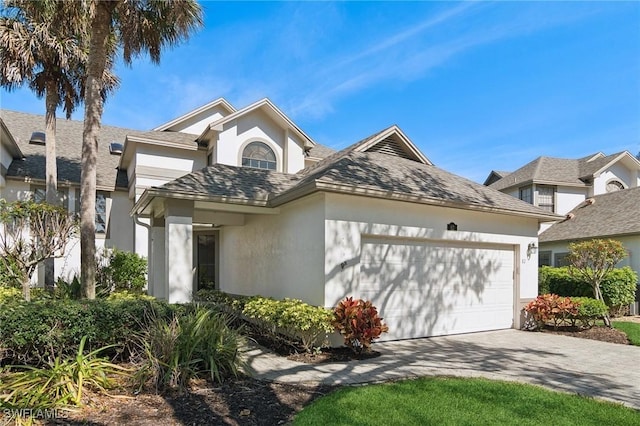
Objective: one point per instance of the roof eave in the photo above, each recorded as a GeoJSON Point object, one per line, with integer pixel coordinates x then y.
{"type": "Point", "coordinates": [319, 185]}
{"type": "Point", "coordinates": [219, 101]}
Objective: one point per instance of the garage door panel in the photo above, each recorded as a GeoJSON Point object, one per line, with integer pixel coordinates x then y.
{"type": "Point", "coordinates": [427, 288]}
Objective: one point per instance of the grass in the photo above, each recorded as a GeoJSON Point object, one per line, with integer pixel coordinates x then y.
{"type": "Point", "coordinates": [454, 401]}
{"type": "Point", "coordinates": [631, 329]}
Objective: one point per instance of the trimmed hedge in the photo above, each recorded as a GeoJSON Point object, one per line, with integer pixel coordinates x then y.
{"type": "Point", "coordinates": [618, 288]}
{"type": "Point", "coordinates": [38, 331]}
{"type": "Point", "coordinates": [290, 320]}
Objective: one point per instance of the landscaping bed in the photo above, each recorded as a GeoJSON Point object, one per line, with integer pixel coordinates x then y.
{"type": "Point", "coordinates": [242, 402]}
{"type": "Point", "coordinates": [601, 333]}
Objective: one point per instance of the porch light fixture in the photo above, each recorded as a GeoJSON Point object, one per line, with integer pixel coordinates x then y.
{"type": "Point", "coordinates": [452, 227]}
{"type": "Point", "coordinates": [531, 249]}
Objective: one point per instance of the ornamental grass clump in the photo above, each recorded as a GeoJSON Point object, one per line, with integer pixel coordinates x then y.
{"type": "Point", "coordinates": [359, 323]}
{"type": "Point", "coordinates": [60, 383]}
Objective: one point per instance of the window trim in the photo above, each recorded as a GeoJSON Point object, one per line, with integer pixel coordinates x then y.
{"type": "Point", "coordinates": [269, 144]}
{"type": "Point", "coordinates": [614, 181]}
{"type": "Point", "coordinates": [553, 198]}
{"type": "Point", "coordinates": [525, 188]}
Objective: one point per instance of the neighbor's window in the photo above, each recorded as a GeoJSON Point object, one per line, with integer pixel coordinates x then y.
{"type": "Point", "coordinates": [258, 155]}
{"type": "Point", "coordinates": [614, 185]}
{"type": "Point", "coordinates": [526, 194]}
{"type": "Point", "coordinates": [560, 259]}
{"type": "Point", "coordinates": [544, 258]}
{"type": "Point", "coordinates": [101, 212]}
{"type": "Point", "coordinates": [39, 195]}
{"type": "Point", "coordinates": [546, 196]}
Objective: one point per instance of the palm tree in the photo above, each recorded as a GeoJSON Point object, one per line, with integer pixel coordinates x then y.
{"type": "Point", "coordinates": [137, 26]}
{"type": "Point", "coordinates": [40, 46]}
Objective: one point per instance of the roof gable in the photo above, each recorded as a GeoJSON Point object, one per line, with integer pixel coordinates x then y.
{"type": "Point", "coordinates": [219, 107]}
{"type": "Point", "coordinates": [270, 109]}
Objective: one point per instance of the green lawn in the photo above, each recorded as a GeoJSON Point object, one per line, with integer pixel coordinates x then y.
{"type": "Point", "coordinates": [631, 329]}
{"type": "Point", "coordinates": [453, 401]}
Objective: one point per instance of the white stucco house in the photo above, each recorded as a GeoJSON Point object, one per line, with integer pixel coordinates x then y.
{"type": "Point", "coordinates": [560, 185]}
{"type": "Point", "coordinates": [245, 201]}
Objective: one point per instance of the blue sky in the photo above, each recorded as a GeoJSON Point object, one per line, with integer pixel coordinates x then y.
{"type": "Point", "coordinates": [476, 85]}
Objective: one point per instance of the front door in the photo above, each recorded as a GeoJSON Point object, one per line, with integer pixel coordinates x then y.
{"type": "Point", "coordinates": [206, 268]}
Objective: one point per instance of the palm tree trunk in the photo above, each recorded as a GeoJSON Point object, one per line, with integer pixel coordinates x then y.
{"type": "Point", "coordinates": [51, 169]}
{"type": "Point", "coordinates": [97, 61]}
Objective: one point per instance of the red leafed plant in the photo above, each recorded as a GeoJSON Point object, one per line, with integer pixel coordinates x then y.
{"type": "Point", "coordinates": [551, 308]}
{"type": "Point", "coordinates": [359, 323]}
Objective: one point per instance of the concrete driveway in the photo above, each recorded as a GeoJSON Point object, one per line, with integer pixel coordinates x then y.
{"type": "Point", "coordinates": [586, 367]}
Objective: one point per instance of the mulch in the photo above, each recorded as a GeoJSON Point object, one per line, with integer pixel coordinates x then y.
{"type": "Point", "coordinates": [604, 334]}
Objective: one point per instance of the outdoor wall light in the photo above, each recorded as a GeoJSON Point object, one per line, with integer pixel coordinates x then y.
{"type": "Point", "coordinates": [452, 227]}
{"type": "Point", "coordinates": [531, 249]}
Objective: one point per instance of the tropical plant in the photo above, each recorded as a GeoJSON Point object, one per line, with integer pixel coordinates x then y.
{"type": "Point", "coordinates": [551, 308]}
{"type": "Point", "coordinates": [136, 27]}
{"type": "Point", "coordinates": [122, 271]}
{"type": "Point", "coordinates": [358, 323]}
{"type": "Point", "coordinates": [198, 344]}
{"type": "Point", "coordinates": [43, 45]}
{"type": "Point", "coordinates": [589, 310]}
{"type": "Point", "coordinates": [592, 260]}
{"type": "Point", "coordinates": [30, 233]}
{"type": "Point", "coordinates": [61, 383]}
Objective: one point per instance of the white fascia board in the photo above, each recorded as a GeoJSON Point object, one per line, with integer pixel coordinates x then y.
{"type": "Point", "coordinates": [219, 101]}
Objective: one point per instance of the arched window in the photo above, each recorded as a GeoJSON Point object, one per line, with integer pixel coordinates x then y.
{"type": "Point", "coordinates": [614, 185]}
{"type": "Point", "coordinates": [258, 155]}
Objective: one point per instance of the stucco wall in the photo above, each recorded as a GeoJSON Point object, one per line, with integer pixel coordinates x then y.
{"type": "Point", "coordinates": [617, 172]}
{"type": "Point", "coordinates": [257, 126]}
{"type": "Point", "coordinates": [349, 218]}
{"type": "Point", "coordinates": [277, 255]}
{"type": "Point", "coordinates": [567, 198]}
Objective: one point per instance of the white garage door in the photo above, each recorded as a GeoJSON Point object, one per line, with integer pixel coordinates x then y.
{"type": "Point", "coordinates": [436, 288]}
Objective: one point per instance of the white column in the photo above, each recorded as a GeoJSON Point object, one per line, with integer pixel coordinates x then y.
{"type": "Point", "coordinates": [157, 283]}
{"type": "Point", "coordinates": [179, 270]}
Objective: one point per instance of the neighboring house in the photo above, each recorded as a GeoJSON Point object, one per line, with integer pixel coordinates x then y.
{"type": "Point", "coordinates": [244, 201]}
{"type": "Point", "coordinates": [613, 215]}
{"type": "Point", "coordinates": [558, 185]}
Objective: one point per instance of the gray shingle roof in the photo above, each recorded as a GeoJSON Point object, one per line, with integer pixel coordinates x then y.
{"type": "Point", "coordinates": [391, 174]}
{"type": "Point", "coordinates": [68, 150]}
{"type": "Point", "coordinates": [612, 214]}
{"type": "Point", "coordinates": [349, 170]}
{"type": "Point", "coordinates": [555, 170]}
{"type": "Point", "coordinates": [320, 151]}
{"type": "Point", "coordinates": [240, 183]}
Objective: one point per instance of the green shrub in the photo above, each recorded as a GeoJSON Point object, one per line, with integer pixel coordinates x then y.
{"type": "Point", "coordinates": [358, 323]}
{"type": "Point", "coordinates": [8, 273]}
{"type": "Point", "coordinates": [128, 295]}
{"type": "Point", "coordinates": [37, 332]}
{"type": "Point", "coordinates": [290, 318]}
{"type": "Point", "coordinates": [10, 295]}
{"type": "Point", "coordinates": [199, 343]}
{"type": "Point", "coordinates": [122, 270]}
{"type": "Point", "coordinates": [618, 288]}
{"type": "Point", "coordinates": [61, 383]}
{"type": "Point", "coordinates": [551, 309]}
{"type": "Point", "coordinates": [233, 303]}
{"type": "Point", "coordinates": [589, 310]}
